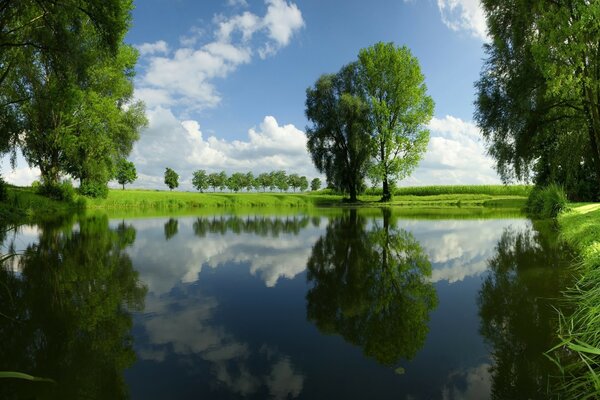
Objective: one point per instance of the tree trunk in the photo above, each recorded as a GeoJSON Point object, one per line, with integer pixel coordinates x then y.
{"type": "Point", "coordinates": [386, 195]}
{"type": "Point", "coordinates": [123, 186]}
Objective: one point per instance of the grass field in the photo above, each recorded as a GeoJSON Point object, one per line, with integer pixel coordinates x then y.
{"type": "Point", "coordinates": [578, 353]}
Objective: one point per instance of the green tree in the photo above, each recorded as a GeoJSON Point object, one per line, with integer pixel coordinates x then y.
{"type": "Point", "coordinates": [222, 180]}
{"type": "Point", "coordinates": [371, 286]}
{"type": "Point", "coordinates": [339, 138]}
{"type": "Point", "coordinates": [399, 110]}
{"type": "Point", "coordinates": [52, 36]}
{"type": "Point", "coordinates": [171, 178]}
{"type": "Point", "coordinates": [76, 114]}
{"type": "Point", "coordinates": [315, 184]}
{"type": "Point", "coordinates": [249, 181]}
{"type": "Point", "coordinates": [200, 180]}
{"type": "Point", "coordinates": [279, 180]}
{"type": "Point", "coordinates": [126, 172]}
{"type": "Point", "coordinates": [264, 180]}
{"type": "Point", "coordinates": [303, 183]}
{"type": "Point", "coordinates": [236, 182]}
{"type": "Point", "coordinates": [293, 181]}
{"type": "Point", "coordinates": [537, 102]}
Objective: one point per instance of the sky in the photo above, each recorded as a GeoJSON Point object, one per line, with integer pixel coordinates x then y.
{"type": "Point", "coordinates": [224, 82]}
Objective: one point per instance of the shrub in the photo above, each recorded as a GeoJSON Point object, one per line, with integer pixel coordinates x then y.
{"type": "Point", "coordinates": [94, 189]}
{"type": "Point", "coordinates": [64, 191]}
{"type": "Point", "coordinates": [547, 202]}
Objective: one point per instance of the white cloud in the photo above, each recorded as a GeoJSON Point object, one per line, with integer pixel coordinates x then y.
{"type": "Point", "coordinates": [237, 3]}
{"type": "Point", "coordinates": [464, 15]}
{"type": "Point", "coordinates": [146, 49]}
{"type": "Point", "coordinates": [21, 175]}
{"type": "Point", "coordinates": [181, 145]}
{"type": "Point", "coordinates": [456, 154]}
{"type": "Point", "coordinates": [185, 77]}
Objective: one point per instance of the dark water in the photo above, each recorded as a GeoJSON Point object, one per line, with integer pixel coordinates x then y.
{"type": "Point", "coordinates": [351, 305]}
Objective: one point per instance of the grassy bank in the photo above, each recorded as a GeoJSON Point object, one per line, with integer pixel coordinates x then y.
{"type": "Point", "coordinates": [579, 352]}
{"type": "Point", "coordinates": [24, 202]}
{"type": "Point", "coordinates": [146, 199]}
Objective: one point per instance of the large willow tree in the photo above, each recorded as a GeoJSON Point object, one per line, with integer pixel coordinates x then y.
{"type": "Point", "coordinates": [66, 86]}
{"type": "Point", "coordinates": [538, 101]}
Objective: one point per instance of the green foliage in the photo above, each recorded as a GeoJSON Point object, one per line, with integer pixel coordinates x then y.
{"type": "Point", "coordinates": [171, 228]}
{"type": "Point", "coordinates": [52, 39]}
{"type": "Point", "coordinates": [399, 110]}
{"type": "Point", "coordinates": [264, 180]}
{"type": "Point", "coordinates": [369, 118]}
{"type": "Point", "coordinates": [236, 182]}
{"type": "Point", "coordinates": [279, 180]}
{"type": "Point", "coordinates": [547, 202]}
{"type": "Point", "coordinates": [200, 180]}
{"type": "Point", "coordinates": [63, 191]}
{"type": "Point", "coordinates": [171, 178]}
{"type": "Point", "coordinates": [315, 184]}
{"type": "Point", "coordinates": [538, 104]}
{"type": "Point", "coordinates": [126, 172]}
{"type": "Point", "coordinates": [93, 189]}
{"type": "Point", "coordinates": [338, 140]}
{"type": "Point", "coordinates": [578, 352]}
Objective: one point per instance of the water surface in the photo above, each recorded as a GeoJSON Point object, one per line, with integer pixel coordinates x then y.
{"type": "Point", "coordinates": [348, 304]}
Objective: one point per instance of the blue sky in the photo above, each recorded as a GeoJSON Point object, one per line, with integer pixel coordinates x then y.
{"type": "Point", "coordinates": [224, 81]}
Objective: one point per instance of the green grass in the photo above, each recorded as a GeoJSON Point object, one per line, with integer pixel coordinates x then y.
{"type": "Point", "coordinates": [23, 203]}
{"type": "Point", "coordinates": [492, 190]}
{"type": "Point", "coordinates": [578, 353]}
{"type": "Point", "coordinates": [147, 199]}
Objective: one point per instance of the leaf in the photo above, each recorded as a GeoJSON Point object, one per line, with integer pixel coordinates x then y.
{"type": "Point", "coordinates": [21, 375]}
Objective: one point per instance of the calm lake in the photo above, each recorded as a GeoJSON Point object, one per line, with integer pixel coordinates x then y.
{"type": "Point", "coordinates": [335, 304]}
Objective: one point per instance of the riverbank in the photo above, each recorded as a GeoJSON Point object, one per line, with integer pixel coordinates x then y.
{"type": "Point", "coordinates": [580, 330]}
{"type": "Point", "coordinates": [23, 203]}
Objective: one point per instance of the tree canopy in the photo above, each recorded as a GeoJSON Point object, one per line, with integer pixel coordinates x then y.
{"type": "Point", "coordinates": [171, 178]}
{"type": "Point", "coordinates": [126, 172]}
{"type": "Point", "coordinates": [538, 99]}
{"type": "Point", "coordinates": [66, 88]}
{"type": "Point", "coordinates": [369, 119]}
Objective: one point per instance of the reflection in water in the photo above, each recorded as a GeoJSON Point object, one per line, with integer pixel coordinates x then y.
{"type": "Point", "coordinates": [517, 317]}
{"type": "Point", "coordinates": [171, 228]}
{"type": "Point", "coordinates": [262, 226]}
{"type": "Point", "coordinates": [66, 313]}
{"type": "Point", "coordinates": [372, 287]}
{"type": "Point", "coordinates": [182, 325]}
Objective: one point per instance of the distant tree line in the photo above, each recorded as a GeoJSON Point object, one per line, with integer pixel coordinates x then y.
{"type": "Point", "coordinates": [239, 181]}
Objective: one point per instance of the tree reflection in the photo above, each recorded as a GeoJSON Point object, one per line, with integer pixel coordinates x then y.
{"type": "Point", "coordinates": [371, 286]}
{"type": "Point", "coordinates": [67, 313]}
{"type": "Point", "coordinates": [516, 309]}
{"type": "Point", "coordinates": [259, 225]}
{"type": "Point", "coordinates": [171, 228]}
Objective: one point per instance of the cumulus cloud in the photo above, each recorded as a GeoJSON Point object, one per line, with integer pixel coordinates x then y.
{"type": "Point", "coordinates": [185, 77]}
{"type": "Point", "coordinates": [146, 49]}
{"type": "Point", "coordinates": [456, 154]}
{"type": "Point", "coordinates": [464, 15]}
{"type": "Point", "coordinates": [181, 145]}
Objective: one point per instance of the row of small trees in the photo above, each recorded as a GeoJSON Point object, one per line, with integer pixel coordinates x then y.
{"type": "Point", "coordinates": [239, 181]}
